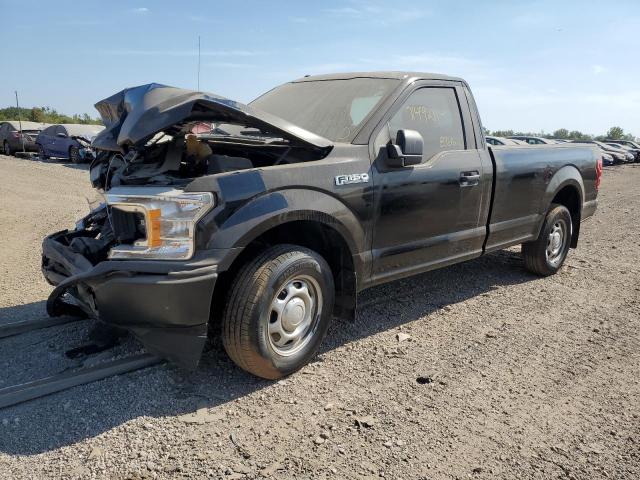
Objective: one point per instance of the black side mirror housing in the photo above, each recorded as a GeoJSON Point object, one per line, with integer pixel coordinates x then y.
{"type": "Point", "coordinates": [407, 150]}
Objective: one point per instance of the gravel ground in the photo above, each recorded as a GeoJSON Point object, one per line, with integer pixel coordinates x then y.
{"type": "Point", "coordinates": [480, 370]}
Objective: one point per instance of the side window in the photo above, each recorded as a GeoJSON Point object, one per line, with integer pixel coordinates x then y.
{"type": "Point", "coordinates": [60, 129]}
{"type": "Point", "coordinates": [435, 113]}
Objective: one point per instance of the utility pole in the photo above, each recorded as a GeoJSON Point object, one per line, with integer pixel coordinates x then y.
{"type": "Point", "coordinates": [198, 62]}
{"type": "Point", "coordinates": [20, 121]}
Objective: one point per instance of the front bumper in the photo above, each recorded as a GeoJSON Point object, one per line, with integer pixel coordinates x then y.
{"type": "Point", "coordinates": [87, 155]}
{"type": "Point", "coordinates": [166, 304]}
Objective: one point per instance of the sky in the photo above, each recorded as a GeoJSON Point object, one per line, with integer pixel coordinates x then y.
{"type": "Point", "coordinates": [533, 66]}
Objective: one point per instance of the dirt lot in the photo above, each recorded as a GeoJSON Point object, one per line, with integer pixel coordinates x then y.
{"type": "Point", "coordinates": [504, 375]}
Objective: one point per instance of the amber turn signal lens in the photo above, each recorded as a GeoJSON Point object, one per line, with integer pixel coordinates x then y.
{"type": "Point", "coordinates": [153, 228]}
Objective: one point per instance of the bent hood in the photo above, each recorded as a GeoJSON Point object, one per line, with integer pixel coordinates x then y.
{"type": "Point", "coordinates": [134, 115]}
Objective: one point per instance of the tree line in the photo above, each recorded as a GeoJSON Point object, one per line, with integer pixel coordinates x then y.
{"type": "Point", "coordinates": [45, 115]}
{"type": "Point", "coordinates": [614, 133]}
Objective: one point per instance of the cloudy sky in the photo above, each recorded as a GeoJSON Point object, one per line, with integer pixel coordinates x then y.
{"type": "Point", "coordinates": [532, 65]}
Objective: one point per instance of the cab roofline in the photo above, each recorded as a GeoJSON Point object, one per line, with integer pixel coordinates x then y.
{"type": "Point", "coordinates": [397, 75]}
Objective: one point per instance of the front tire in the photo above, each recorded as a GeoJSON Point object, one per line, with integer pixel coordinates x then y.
{"type": "Point", "coordinates": [545, 255]}
{"type": "Point", "coordinates": [74, 155]}
{"type": "Point", "coordinates": [6, 148]}
{"type": "Point", "coordinates": [41, 153]}
{"type": "Point", "coordinates": [278, 311]}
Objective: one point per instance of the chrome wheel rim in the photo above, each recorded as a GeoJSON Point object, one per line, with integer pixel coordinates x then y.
{"type": "Point", "coordinates": [556, 242]}
{"type": "Point", "coordinates": [294, 314]}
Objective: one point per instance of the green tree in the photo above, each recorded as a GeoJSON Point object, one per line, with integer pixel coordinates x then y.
{"type": "Point", "coordinates": [46, 115]}
{"type": "Point", "coordinates": [561, 133]}
{"type": "Point", "coordinates": [578, 135]}
{"type": "Point", "coordinates": [36, 115]}
{"type": "Point", "coordinates": [503, 133]}
{"type": "Point", "coordinates": [615, 133]}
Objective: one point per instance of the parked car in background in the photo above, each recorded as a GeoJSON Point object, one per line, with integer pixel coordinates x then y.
{"type": "Point", "coordinates": [627, 143]}
{"type": "Point", "coordinates": [619, 155]}
{"type": "Point", "coordinates": [16, 136]}
{"type": "Point", "coordinates": [70, 141]}
{"type": "Point", "coordinates": [607, 159]}
{"type": "Point", "coordinates": [634, 151]}
{"type": "Point", "coordinates": [491, 140]}
{"type": "Point", "coordinates": [534, 140]}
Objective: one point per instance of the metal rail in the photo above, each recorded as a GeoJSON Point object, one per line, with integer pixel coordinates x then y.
{"type": "Point", "coordinates": [45, 386]}
{"type": "Point", "coordinates": [17, 328]}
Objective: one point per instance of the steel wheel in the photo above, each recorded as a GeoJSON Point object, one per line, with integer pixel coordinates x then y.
{"type": "Point", "coordinates": [556, 242]}
{"type": "Point", "coordinates": [546, 254]}
{"type": "Point", "coordinates": [278, 310]}
{"type": "Point", "coordinates": [294, 315]}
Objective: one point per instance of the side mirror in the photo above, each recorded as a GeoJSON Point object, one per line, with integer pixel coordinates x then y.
{"type": "Point", "coordinates": [407, 150]}
{"type": "Point", "coordinates": [61, 135]}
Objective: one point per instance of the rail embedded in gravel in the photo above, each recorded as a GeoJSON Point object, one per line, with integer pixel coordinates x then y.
{"type": "Point", "coordinates": [18, 328]}
{"type": "Point", "coordinates": [16, 394]}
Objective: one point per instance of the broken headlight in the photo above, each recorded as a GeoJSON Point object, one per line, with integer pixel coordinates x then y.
{"type": "Point", "coordinates": [164, 220]}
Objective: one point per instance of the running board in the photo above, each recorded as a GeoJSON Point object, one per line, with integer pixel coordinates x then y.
{"type": "Point", "coordinates": [17, 328]}
{"type": "Point", "coordinates": [45, 386]}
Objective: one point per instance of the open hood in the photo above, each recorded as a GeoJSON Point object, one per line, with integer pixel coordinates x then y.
{"type": "Point", "coordinates": [134, 115]}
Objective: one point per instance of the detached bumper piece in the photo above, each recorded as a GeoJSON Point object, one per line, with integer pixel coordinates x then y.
{"type": "Point", "coordinates": [165, 304]}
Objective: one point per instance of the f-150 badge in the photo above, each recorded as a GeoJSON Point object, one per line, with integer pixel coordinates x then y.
{"type": "Point", "coordinates": [352, 178]}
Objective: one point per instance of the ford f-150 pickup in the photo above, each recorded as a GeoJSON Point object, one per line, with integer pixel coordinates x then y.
{"type": "Point", "coordinates": [268, 218]}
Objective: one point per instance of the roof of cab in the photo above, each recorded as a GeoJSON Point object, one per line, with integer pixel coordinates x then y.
{"type": "Point", "coordinates": [405, 76]}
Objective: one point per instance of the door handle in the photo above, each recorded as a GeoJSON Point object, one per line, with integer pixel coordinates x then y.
{"type": "Point", "coordinates": [469, 179]}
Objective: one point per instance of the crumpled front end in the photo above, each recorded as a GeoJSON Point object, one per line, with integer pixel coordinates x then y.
{"type": "Point", "coordinates": [166, 304]}
{"type": "Point", "coordinates": [133, 262]}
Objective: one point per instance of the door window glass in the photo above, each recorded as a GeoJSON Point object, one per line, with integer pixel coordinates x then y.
{"type": "Point", "coordinates": [435, 113]}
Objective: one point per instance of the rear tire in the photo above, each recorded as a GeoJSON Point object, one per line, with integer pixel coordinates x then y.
{"type": "Point", "coordinates": [278, 310]}
{"type": "Point", "coordinates": [545, 255]}
{"type": "Point", "coordinates": [74, 155]}
{"type": "Point", "coordinates": [6, 148]}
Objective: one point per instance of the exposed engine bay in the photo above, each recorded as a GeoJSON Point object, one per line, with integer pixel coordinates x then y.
{"type": "Point", "coordinates": [178, 155]}
{"type": "Point", "coordinates": [160, 135]}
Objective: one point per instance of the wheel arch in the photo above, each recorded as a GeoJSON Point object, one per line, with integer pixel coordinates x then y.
{"type": "Point", "coordinates": [567, 188]}
{"type": "Point", "coordinates": [331, 230]}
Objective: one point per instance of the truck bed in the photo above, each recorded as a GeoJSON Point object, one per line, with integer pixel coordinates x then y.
{"type": "Point", "coordinates": [524, 182]}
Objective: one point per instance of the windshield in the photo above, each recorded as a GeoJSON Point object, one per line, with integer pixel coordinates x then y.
{"type": "Point", "coordinates": [333, 109]}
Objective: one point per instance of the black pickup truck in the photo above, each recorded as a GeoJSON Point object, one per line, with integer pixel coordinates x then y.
{"type": "Point", "coordinates": [267, 219]}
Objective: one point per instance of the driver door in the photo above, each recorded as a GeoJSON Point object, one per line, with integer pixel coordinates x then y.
{"type": "Point", "coordinates": [429, 214]}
